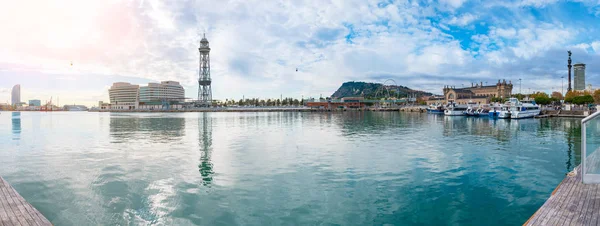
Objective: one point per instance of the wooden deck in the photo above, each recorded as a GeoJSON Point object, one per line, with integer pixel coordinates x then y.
{"type": "Point", "coordinates": [14, 210]}
{"type": "Point", "coordinates": [571, 203]}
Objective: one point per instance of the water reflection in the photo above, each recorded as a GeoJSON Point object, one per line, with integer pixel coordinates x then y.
{"type": "Point", "coordinates": [205, 142]}
{"type": "Point", "coordinates": [157, 128]}
{"type": "Point", "coordinates": [16, 125]}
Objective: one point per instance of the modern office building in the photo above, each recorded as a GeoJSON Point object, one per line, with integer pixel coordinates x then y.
{"type": "Point", "coordinates": [164, 91]}
{"type": "Point", "coordinates": [16, 95]}
{"type": "Point", "coordinates": [124, 96]}
{"type": "Point", "coordinates": [35, 103]}
{"type": "Point", "coordinates": [579, 79]}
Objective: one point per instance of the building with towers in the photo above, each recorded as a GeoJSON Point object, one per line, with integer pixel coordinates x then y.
{"type": "Point", "coordinates": [477, 93]}
{"type": "Point", "coordinates": [204, 81]}
{"type": "Point", "coordinates": [579, 79]}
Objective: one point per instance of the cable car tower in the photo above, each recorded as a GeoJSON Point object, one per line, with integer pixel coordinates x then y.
{"type": "Point", "coordinates": [204, 90]}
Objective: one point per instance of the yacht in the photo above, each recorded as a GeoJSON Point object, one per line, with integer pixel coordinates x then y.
{"type": "Point", "coordinates": [504, 111]}
{"type": "Point", "coordinates": [482, 112]}
{"type": "Point", "coordinates": [523, 109]}
{"type": "Point", "coordinates": [453, 109]}
{"type": "Point", "coordinates": [471, 108]}
{"type": "Point", "coordinates": [494, 111]}
{"type": "Point", "coordinates": [435, 109]}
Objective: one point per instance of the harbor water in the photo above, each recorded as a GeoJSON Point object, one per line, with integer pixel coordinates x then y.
{"type": "Point", "coordinates": [284, 168]}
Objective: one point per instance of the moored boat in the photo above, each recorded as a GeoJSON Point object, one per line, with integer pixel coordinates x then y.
{"type": "Point", "coordinates": [454, 109]}
{"type": "Point", "coordinates": [523, 109]}
{"type": "Point", "coordinates": [435, 109]}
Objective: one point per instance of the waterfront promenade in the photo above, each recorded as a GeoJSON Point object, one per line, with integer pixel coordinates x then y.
{"type": "Point", "coordinates": [571, 203]}
{"type": "Point", "coordinates": [14, 210]}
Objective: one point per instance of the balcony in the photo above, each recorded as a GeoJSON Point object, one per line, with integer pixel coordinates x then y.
{"type": "Point", "coordinates": [590, 148]}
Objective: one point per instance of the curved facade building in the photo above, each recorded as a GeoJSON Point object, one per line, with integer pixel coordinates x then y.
{"type": "Point", "coordinates": [124, 96]}
{"type": "Point", "coordinates": [167, 90]}
{"type": "Point", "coordinates": [16, 95]}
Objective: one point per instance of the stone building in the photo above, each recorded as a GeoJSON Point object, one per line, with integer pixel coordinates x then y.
{"type": "Point", "coordinates": [477, 93]}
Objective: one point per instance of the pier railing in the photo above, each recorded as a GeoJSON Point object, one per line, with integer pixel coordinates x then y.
{"type": "Point", "coordinates": [590, 148]}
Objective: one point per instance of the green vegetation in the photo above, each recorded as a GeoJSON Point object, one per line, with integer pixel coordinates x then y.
{"type": "Point", "coordinates": [518, 96]}
{"type": "Point", "coordinates": [585, 99]}
{"type": "Point", "coordinates": [374, 90]}
{"type": "Point", "coordinates": [498, 99]}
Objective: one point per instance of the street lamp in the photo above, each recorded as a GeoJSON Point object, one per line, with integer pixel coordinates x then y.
{"type": "Point", "coordinates": [520, 92]}
{"type": "Point", "coordinates": [562, 81]}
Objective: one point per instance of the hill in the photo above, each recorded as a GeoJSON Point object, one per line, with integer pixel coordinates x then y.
{"type": "Point", "coordinates": [374, 90]}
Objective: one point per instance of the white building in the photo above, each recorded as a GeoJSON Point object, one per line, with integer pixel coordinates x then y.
{"type": "Point", "coordinates": [167, 90]}
{"type": "Point", "coordinates": [124, 96]}
{"type": "Point", "coordinates": [16, 95]}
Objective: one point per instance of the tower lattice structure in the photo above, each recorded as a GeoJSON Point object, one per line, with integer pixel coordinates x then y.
{"type": "Point", "coordinates": [204, 81]}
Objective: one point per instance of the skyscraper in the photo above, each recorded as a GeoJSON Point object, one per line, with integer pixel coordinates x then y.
{"type": "Point", "coordinates": [579, 79]}
{"type": "Point", "coordinates": [16, 95]}
{"type": "Point", "coordinates": [204, 82]}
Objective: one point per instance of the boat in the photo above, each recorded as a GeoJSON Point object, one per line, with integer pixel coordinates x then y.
{"type": "Point", "coordinates": [454, 109]}
{"type": "Point", "coordinates": [494, 111]}
{"type": "Point", "coordinates": [504, 111]}
{"type": "Point", "coordinates": [471, 108]}
{"type": "Point", "coordinates": [523, 109]}
{"type": "Point", "coordinates": [435, 109]}
{"type": "Point", "coordinates": [482, 112]}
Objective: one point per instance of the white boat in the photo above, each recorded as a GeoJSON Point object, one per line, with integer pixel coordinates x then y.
{"type": "Point", "coordinates": [504, 111]}
{"type": "Point", "coordinates": [454, 109]}
{"type": "Point", "coordinates": [523, 109]}
{"type": "Point", "coordinates": [435, 109]}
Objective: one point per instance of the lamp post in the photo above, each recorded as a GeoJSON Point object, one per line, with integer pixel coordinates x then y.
{"type": "Point", "coordinates": [562, 83]}
{"type": "Point", "coordinates": [520, 92]}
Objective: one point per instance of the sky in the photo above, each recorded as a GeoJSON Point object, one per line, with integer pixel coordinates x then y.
{"type": "Point", "coordinates": [257, 45]}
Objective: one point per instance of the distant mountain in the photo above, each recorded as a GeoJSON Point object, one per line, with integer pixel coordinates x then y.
{"type": "Point", "coordinates": [374, 90]}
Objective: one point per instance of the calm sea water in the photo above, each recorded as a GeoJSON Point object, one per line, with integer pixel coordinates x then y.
{"type": "Point", "coordinates": [352, 168]}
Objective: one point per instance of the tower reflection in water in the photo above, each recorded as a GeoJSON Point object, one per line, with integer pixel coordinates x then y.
{"type": "Point", "coordinates": [16, 125]}
{"type": "Point", "coordinates": [205, 143]}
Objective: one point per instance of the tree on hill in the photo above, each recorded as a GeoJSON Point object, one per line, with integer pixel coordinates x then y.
{"type": "Point", "coordinates": [557, 95]}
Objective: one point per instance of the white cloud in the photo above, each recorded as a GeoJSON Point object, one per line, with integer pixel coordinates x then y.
{"type": "Point", "coordinates": [463, 20]}
{"type": "Point", "coordinates": [596, 46]}
{"type": "Point", "coordinates": [537, 3]}
{"type": "Point", "coordinates": [453, 3]}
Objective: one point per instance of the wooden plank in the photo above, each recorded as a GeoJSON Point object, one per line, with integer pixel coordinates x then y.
{"type": "Point", "coordinates": [14, 216]}
{"type": "Point", "coordinates": [21, 207]}
{"type": "Point", "coordinates": [18, 211]}
{"type": "Point", "coordinates": [561, 204]}
{"type": "Point", "coordinates": [15, 206]}
{"type": "Point", "coordinates": [595, 218]}
{"type": "Point", "coordinates": [34, 213]}
{"type": "Point", "coordinates": [572, 203]}
{"type": "Point", "coordinates": [554, 204]}
{"type": "Point", "coordinates": [589, 209]}
{"type": "Point", "coordinates": [4, 219]}
{"type": "Point", "coordinates": [578, 220]}
{"type": "Point", "coordinates": [546, 207]}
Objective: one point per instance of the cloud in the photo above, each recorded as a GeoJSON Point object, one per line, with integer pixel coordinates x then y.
{"type": "Point", "coordinates": [256, 46]}
{"type": "Point", "coordinates": [462, 20]}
